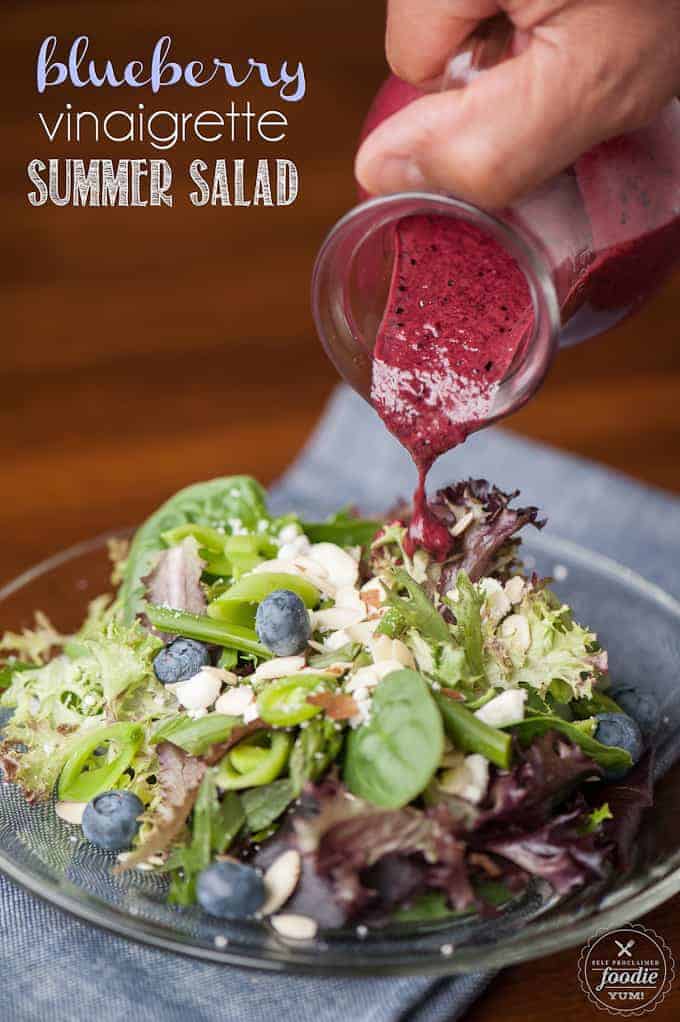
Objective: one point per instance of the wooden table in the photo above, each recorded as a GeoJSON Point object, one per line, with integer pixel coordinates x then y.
{"type": "Point", "coordinates": [146, 348]}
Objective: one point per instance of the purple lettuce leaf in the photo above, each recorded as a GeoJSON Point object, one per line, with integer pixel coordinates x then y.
{"type": "Point", "coordinates": [627, 800]}
{"type": "Point", "coordinates": [558, 852]}
{"type": "Point", "coordinates": [484, 547]}
{"type": "Point", "coordinates": [175, 579]}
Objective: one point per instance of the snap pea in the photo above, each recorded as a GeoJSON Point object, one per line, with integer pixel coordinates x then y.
{"type": "Point", "coordinates": [77, 784]}
{"type": "Point", "coordinates": [470, 734]}
{"type": "Point", "coordinates": [283, 702]}
{"type": "Point", "coordinates": [233, 613]}
{"type": "Point", "coordinates": [267, 769]}
{"type": "Point", "coordinates": [206, 629]}
{"type": "Point", "coordinates": [255, 588]}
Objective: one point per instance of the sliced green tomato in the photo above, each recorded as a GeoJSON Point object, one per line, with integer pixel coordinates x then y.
{"type": "Point", "coordinates": [276, 746]}
{"type": "Point", "coordinates": [78, 784]}
{"type": "Point", "coordinates": [255, 587]}
{"type": "Point", "coordinates": [283, 702]}
{"type": "Point", "coordinates": [247, 756]}
{"type": "Point", "coordinates": [206, 537]}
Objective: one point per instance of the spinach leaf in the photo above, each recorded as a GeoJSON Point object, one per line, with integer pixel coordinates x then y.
{"type": "Point", "coordinates": [607, 756]}
{"type": "Point", "coordinates": [392, 758]}
{"type": "Point", "coordinates": [265, 804]}
{"type": "Point", "coordinates": [342, 528]}
{"type": "Point", "coordinates": [195, 736]}
{"type": "Point", "coordinates": [416, 609]}
{"type": "Point", "coordinates": [216, 503]}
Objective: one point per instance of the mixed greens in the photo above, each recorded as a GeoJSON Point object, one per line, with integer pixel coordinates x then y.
{"type": "Point", "coordinates": [271, 711]}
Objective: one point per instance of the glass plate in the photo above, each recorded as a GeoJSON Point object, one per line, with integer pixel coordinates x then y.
{"type": "Point", "coordinates": [636, 621]}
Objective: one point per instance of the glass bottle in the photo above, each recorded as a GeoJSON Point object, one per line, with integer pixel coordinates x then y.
{"type": "Point", "coordinates": [593, 242]}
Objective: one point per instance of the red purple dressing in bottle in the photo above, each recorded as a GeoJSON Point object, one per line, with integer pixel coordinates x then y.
{"type": "Point", "coordinates": [457, 314]}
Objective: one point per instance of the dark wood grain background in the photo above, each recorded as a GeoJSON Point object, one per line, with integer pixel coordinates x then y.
{"type": "Point", "coordinates": [145, 348]}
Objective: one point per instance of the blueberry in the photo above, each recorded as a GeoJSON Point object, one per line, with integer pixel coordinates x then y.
{"type": "Point", "coordinates": [622, 731]}
{"type": "Point", "coordinates": [230, 889]}
{"type": "Point", "coordinates": [282, 623]}
{"type": "Point", "coordinates": [110, 821]}
{"type": "Point", "coordinates": [180, 660]}
{"type": "Point", "coordinates": [641, 706]}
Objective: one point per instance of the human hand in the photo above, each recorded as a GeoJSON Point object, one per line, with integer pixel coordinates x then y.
{"type": "Point", "coordinates": [583, 71]}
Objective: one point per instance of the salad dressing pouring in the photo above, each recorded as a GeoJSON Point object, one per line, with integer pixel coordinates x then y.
{"type": "Point", "coordinates": [446, 318]}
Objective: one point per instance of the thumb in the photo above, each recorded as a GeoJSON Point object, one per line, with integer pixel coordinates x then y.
{"type": "Point", "coordinates": [513, 127]}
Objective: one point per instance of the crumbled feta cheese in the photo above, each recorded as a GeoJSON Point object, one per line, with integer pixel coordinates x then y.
{"type": "Point", "coordinates": [199, 692]}
{"type": "Point", "coordinates": [468, 779]}
{"type": "Point", "coordinates": [289, 533]}
{"type": "Point", "coordinates": [236, 701]}
{"type": "Point", "coordinates": [514, 589]}
{"type": "Point", "coordinates": [496, 600]}
{"type": "Point", "coordinates": [506, 708]}
{"type": "Point", "coordinates": [340, 566]}
{"type": "Point", "coordinates": [278, 667]}
{"type": "Point", "coordinates": [515, 629]}
{"type": "Point", "coordinates": [348, 596]}
{"type": "Point", "coordinates": [297, 547]}
{"type": "Point", "coordinates": [363, 679]}
{"type": "Point", "coordinates": [336, 640]}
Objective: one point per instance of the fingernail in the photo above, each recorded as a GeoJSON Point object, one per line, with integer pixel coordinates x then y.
{"type": "Point", "coordinates": [400, 174]}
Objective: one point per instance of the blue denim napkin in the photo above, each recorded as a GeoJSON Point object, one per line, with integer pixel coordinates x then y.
{"type": "Point", "coordinates": [54, 967]}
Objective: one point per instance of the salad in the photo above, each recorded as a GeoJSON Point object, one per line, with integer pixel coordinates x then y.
{"type": "Point", "coordinates": [297, 721]}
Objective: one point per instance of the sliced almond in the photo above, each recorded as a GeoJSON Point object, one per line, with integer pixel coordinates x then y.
{"type": "Point", "coordinates": [279, 667]}
{"type": "Point", "coordinates": [70, 812]}
{"type": "Point", "coordinates": [235, 701]}
{"type": "Point", "coordinates": [384, 648]}
{"type": "Point", "coordinates": [280, 881]}
{"type": "Point", "coordinates": [338, 618]}
{"type": "Point", "coordinates": [462, 524]}
{"type": "Point", "coordinates": [363, 631]}
{"type": "Point", "coordinates": [340, 566]}
{"type": "Point", "coordinates": [294, 927]}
